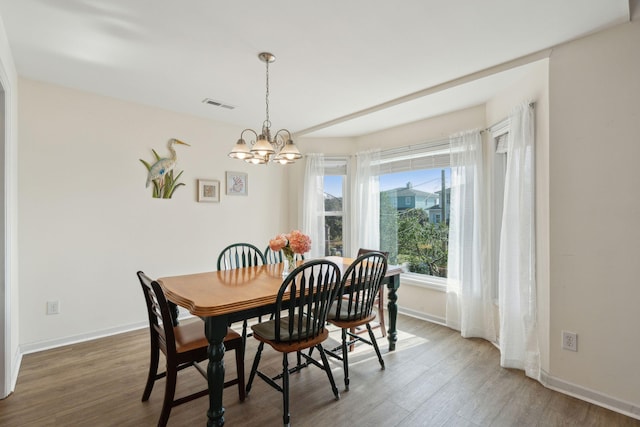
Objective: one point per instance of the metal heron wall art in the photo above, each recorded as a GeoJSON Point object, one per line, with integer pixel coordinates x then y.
{"type": "Point", "coordinates": [160, 173]}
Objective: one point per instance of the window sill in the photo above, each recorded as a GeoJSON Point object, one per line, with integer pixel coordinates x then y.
{"type": "Point", "coordinates": [424, 281]}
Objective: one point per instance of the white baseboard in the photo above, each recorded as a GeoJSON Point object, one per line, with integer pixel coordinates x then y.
{"type": "Point", "coordinates": [591, 396]}
{"type": "Point", "coordinates": [422, 316]}
{"type": "Point", "coordinates": [16, 362]}
{"type": "Point", "coordinates": [59, 342]}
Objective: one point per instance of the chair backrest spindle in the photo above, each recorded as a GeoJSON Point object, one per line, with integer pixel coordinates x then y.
{"type": "Point", "coordinates": [275, 257]}
{"type": "Point", "coordinates": [240, 255]}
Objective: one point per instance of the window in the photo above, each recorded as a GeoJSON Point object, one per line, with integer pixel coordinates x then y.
{"type": "Point", "coordinates": [416, 234]}
{"type": "Point", "coordinates": [499, 171]}
{"type": "Point", "coordinates": [334, 206]}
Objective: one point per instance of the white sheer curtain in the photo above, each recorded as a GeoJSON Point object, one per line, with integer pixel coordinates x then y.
{"type": "Point", "coordinates": [313, 203]}
{"type": "Point", "coordinates": [365, 230]}
{"type": "Point", "coordinates": [469, 299]}
{"type": "Point", "coordinates": [516, 269]}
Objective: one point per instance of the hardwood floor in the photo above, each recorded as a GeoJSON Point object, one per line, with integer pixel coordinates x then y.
{"type": "Point", "coordinates": [434, 378]}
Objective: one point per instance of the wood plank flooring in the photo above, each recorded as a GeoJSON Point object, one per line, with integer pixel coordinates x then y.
{"type": "Point", "coordinates": [434, 378]}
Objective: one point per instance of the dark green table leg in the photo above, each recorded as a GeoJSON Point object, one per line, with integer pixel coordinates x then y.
{"type": "Point", "coordinates": [174, 312]}
{"type": "Point", "coordinates": [215, 329]}
{"type": "Point", "coordinates": [393, 283]}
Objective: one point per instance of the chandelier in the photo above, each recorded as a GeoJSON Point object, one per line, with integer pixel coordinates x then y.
{"type": "Point", "coordinates": [265, 148]}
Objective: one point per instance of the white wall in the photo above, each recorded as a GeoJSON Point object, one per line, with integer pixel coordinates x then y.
{"type": "Point", "coordinates": [594, 151]}
{"type": "Point", "coordinates": [425, 130]}
{"type": "Point", "coordinates": [87, 222]}
{"type": "Point", "coordinates": [9, 334]}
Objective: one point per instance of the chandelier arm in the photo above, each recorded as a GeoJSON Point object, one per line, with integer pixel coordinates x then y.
{"type": "Point", "coordinates": [278, 139]}
{"type": "Point", "coordinates": [253, 132]}
{"type": "Point", "coordinates": [284, 130]}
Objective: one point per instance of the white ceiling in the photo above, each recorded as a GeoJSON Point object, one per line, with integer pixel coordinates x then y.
{"type": "Point", "coordinates": [336, 59]}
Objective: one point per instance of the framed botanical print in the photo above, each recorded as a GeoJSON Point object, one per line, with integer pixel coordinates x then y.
{"type": "Point", "coordinates": [208, 190]}
{"type": "Point", "coordinates": [237, 183]}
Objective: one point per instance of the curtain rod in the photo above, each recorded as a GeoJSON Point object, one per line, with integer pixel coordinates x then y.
{"type": "Point", "coordinates": [503, 121]}
{"type": "Point", "coordinates": [434, 143]}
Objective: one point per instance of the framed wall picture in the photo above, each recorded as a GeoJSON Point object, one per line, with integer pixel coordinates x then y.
{"type": "Point", "coordinates": [208, 190]}
{"type": "Point", "coordinates": [237, 183]}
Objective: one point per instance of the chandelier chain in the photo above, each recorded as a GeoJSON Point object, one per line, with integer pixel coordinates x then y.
{"type": "Point", "coordinates": [267, 122]}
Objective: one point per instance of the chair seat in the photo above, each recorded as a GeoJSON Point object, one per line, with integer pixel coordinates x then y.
{"type": "Point", "coordinates": [266, 332]}
{"type": "Point", "coordinates": [345, 314]}
{"type": "Point", "coordinates": [343, 322]}
{"type": "Point", "coordinates": [190, 335]}
{"type": "Point", "coordinates": [293, 346]}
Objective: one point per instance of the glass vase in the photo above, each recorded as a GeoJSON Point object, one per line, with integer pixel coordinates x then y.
{"type": "Point", "coordinates": [289, 264]}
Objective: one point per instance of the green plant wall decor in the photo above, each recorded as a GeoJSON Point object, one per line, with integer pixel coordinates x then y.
{"type": "Point", "coordinates": [161, 172]}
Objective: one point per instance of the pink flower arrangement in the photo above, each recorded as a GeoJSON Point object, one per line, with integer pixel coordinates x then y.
{"type": "Point", "coordinates": [294, 242]}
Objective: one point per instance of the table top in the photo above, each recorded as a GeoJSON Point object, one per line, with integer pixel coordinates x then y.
{"type": "Point", "coordinates": [218, 293]}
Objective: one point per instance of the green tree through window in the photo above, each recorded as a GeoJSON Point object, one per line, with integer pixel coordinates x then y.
{"type": "Point", "coordinates": [422, 244]}
{"type": "Point", "coordinates": [333, 225]}
{"type": "Point", "coordinates": [414, 233]}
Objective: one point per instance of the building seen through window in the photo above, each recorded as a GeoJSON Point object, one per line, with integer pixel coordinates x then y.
{"type": "Point", "coordinates": [412, 209]}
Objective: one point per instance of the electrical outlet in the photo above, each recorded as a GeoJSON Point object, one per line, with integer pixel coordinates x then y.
{"type": "Point", "coordinates": [569, 341]}
{"type": "Point", "coordinates": [53, 307]}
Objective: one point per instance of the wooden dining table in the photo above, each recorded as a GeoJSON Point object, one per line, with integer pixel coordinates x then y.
{"type": "Point", "coordinates": [222, 297]}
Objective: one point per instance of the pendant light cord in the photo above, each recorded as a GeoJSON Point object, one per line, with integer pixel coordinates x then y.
{"type": "Point", "coordinates": [267, 123]}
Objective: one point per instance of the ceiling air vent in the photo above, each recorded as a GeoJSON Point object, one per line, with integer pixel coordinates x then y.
{"type": "Point", "coordinates": [218, 103]}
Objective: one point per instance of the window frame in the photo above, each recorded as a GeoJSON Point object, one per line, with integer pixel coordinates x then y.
{"type": "Point", "coordinates": [498, 163]}
{"type": "Point", "coordinates": [429, 155]}
{"type": "Point", "coordinates": [340, 166]}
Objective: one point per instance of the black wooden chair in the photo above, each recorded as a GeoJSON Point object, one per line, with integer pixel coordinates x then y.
{"type": "Point", "coordinates": [239, 255]}
{"type": "Point", "coordinates": [299, 322]}
{"type": "Point", "coordinates": [272, 257]}
{"type": "Point", "coordinates": [379, 303]}
{"type": "Point", "coordinates": [361, 282]}
{"type": "Point", "coordinates": [183, 346]}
